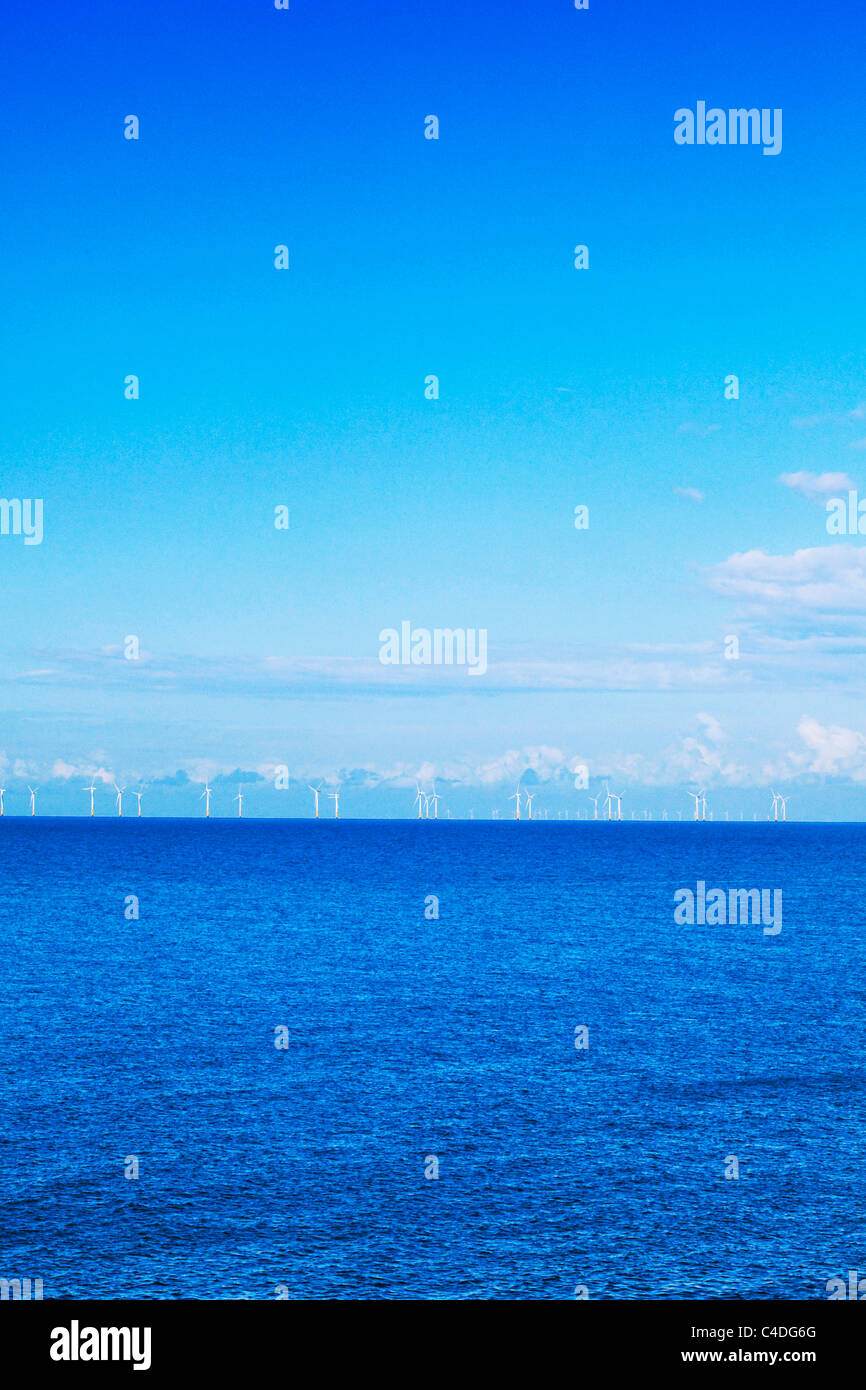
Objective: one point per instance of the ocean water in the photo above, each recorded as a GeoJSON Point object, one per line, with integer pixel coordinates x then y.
{"type": "Point", "coordinates": [413, 1038]}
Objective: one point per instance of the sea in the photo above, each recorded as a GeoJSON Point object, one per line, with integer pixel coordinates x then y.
{"type": "Point", "coordinates": [336, 1059]}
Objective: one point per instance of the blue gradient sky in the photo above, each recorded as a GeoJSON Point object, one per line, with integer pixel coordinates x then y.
{"type": "Point", "coordinates": [558, 387]}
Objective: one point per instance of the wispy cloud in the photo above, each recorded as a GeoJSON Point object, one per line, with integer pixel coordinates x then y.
{"type": "Point", "coordinates": [817, 486]}
{"type": "Point", "coordinates": [823, 579]}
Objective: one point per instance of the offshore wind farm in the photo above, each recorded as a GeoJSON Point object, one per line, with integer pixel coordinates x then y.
{"type": "Point", "coordinates": [426, 806]}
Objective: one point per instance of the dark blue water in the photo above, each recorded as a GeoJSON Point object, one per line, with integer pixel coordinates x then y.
{"type": "Point", "coordinates": [410, 1038]}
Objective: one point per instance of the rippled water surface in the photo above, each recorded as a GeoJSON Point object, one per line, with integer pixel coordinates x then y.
{"type": "Point", "coordinates": [412, 1038]}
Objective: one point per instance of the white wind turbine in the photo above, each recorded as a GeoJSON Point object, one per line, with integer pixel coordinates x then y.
{"type": "Point", "coordinates": [617, 796]}
{"type": "Point", "coordinates": [434, 797]}
{"type": "Point", "coordinates": [595, 800]}
{"type": "Point", "coordinates": [703, 805]}
{"type": "Point", "coordinates": [775, 805]}
{"type": "Point", "coordinates": [205, 797]}
{"type": "Point", "coordinates": [90, 789]}
{"type": "Point", "coordinates": [515, 797]}
{"type": "Point", "coordinates": [529, 796]}
{"type": "Point", "coordinates": [419, 799]}
{"type": "Point", "coordinates": [315, 791]}
{"type": "Point", "coordinates": [33, 791]}
{"type": "Point", "coordinates": [784, 801]}
{"type": "Point", "coordinates": [139, 794]}
{"type": "Point", "coordinates": [240, 800]}
{"type": "Point", "coordinates": [697, 796]}
{"type": "Point", "coordinates": [119, 799]}
{"type": "Point", "coordinates": [2, 807]}
{"type": "Point", "coordinates": [335, 797]}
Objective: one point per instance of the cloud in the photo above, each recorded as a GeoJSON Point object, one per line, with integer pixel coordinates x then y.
{"type": "Point", "coordinates": [702, 431]}
{"type": "Point", "coordinates": [817, 485]}
{"type": "Point", "coordinates": [833, 749]}
{"type": "Point", "coordinates": [712, 727]}
{"type": "Point", "coordinates": [64, 771]}
{"type": "Point", "coordinates": [691, 492]}
{"type": "Point", "coordinates": [824, 579]}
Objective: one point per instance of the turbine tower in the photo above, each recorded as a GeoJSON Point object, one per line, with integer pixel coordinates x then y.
{"type": "Point", "coordinates": [595, 800]}
{"type": "Point", "coordinates": [617, 797]}
{"type": "Point", "coordinates": [784, 801]}
{"type": "Point", "coordinates": [90, 789]}
{"type": "Point", "coordinates": [434, 797]}
{"type": "Point", "coordinates": [529, 796]}
{"type": "Point", "coordinates": [703, 806]}
{"type": "Point", "coordinates": [315, 791]}
{"type": "Point", "coordinates": [515, 796]}
{"type": "Point", "coordinates": [205, 797]}
{"type": "Point", "coordinates": [240, 800]}
{"type": "Point", "coordinates": [33, 791]}
{"type": "Point", "coordinates": [335, 797]}
{"type": "Point", "coordinates": [139, 794]}
{"type": "Point", "coordinates": [120, 791]}
{"type": "Point", "coordinates": [419, 799]}
{"type": "Point", "coordinates": [697, 796]}
{"type": "Point", "coordinates": [775, 805]}
{"type": "Point", "coordinates": [2, 807]}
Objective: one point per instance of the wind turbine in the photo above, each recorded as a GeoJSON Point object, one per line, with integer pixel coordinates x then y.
{"type": "Point", "coordinates": [697, 796]}
{"type": "Point", "coordinates": [703, 806]}
{"type": "Point", "coordinates": [419, 798]}
{"type": "Point", "coordinates": [139, 794]}
{"type": "Point", "coordinates": [315, 791]}
{"type": "Point", "coordinates": [335, 797]}
{"type": "Point", "coordinates": [240, 800]}
{"type": "Point", "coordinates": [595, 800]}
{"type": "Point", "coordinates": [515, 796]}
{"type": "Point", "coordinates": [2, 807]}
{"type": "Point", "coordinates": [120, 791]}
{"type": "Point", "coordinates": [775, 805]}
{"type": "Point", "coordinates": [529, 796]}
{"type": "Point", "coordinates": [90, 789]}
{"type": "Point", "coordinates": [784, 801]}
{"type": "Point", "coordinates": [617, 797]}
{"type": "Point", "coordinates": [33, 791]}
{"type": "Point", "coordinates": [205, 797]}
{"type": "Point", "coordinates": [434, 797]}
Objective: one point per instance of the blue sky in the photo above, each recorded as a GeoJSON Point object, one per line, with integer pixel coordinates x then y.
{"type": "Point", "coordinates": [557, 387]}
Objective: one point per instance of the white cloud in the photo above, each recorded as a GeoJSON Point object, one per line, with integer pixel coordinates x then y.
{"type": "Point", "coordinates": [824, 579]}
{"type": "Point", "coordinates": [833, 749]}
{"type": "Point", "coordinates": [691, 492]}
{"type": "Point", "coordinates": [817, 485]}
